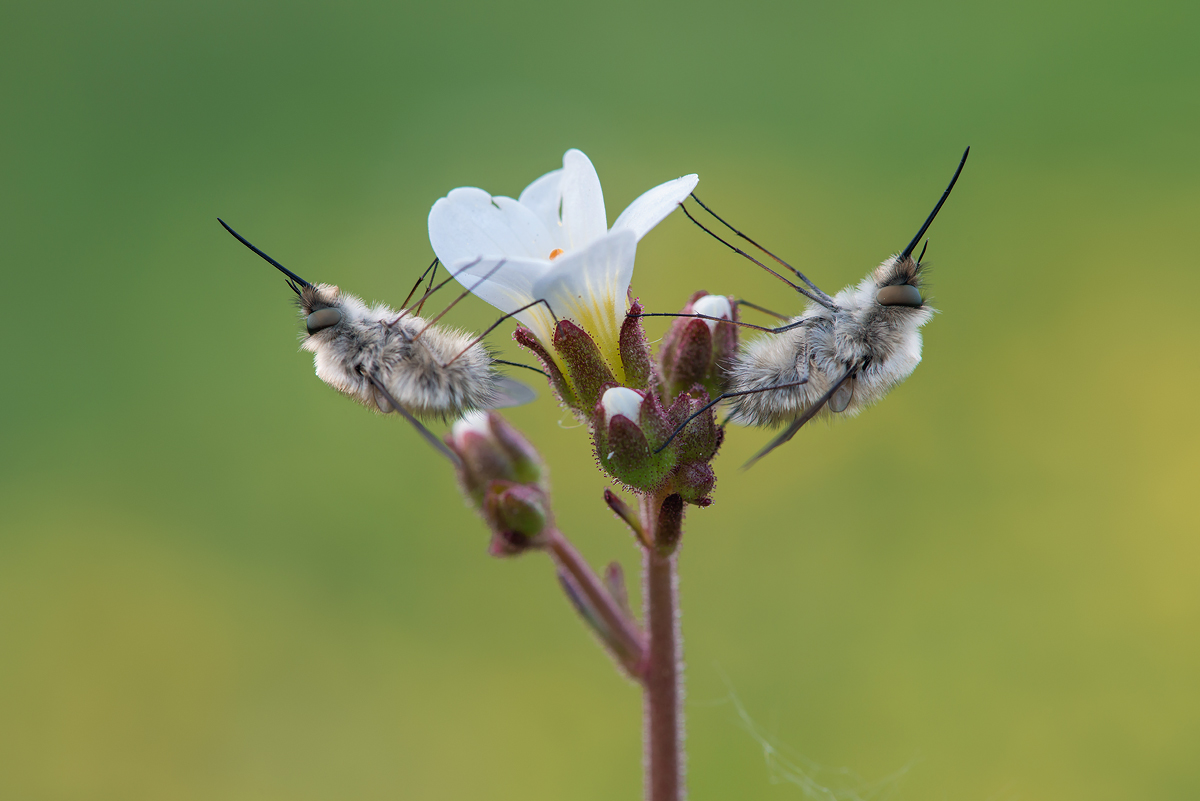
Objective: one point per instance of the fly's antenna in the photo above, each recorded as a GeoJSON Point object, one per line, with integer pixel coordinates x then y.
{"type": "Point", "coordinates": [799, 274]}
{"type": "Point", "coordinates": [432, 268]}
{"type": "Point", "coordinates": [465, 292]}
{"type": "Point", "coordinates": [821, 299]}
{"type": "Point", "coordinates": [295, 279]}
{"type": "Point", "coordinates": [922, 256]}
{"type": "Point", "coordinates": [429, 436]}
{"type": "Point", "coordinates": [913, 244]}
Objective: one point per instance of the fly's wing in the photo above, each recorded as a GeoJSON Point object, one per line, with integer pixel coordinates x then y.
{"type": "Point", "coordinates": [511, 393]}
{"type": "Point", "coordinates": [799, 422]}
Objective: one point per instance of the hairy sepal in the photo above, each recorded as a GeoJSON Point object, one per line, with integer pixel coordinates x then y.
{"type": "Point", "coordinates": [640, 369]}
{"type": "Point", "coordinates": [589, 374]}
{"type": "Point", "coordinates": [558, 382]}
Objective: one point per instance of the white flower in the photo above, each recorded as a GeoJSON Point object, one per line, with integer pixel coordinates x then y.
{"type": "Point", "coordinates": [556, 246]}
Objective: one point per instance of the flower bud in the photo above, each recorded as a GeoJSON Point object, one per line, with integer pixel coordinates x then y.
{"type": "Point", "coordinates": [701, 437]}
{"type": "Point", "coordinates": [622, 400]}
{"type": "Point", "coordinates": [694, 481]}
{"type": "Point", "coordinates": [518, 510]}
{"type": "Point", "coordinates": [669, 529]}
{"type": "Point", "coordinates": [713, 306]}
{"type": "Point", "coordinates": [626, 427]}
{"type": "Point", "coordinates": [492, 450]}
{"type": "Point", "coordinates": [695, 350]}
{"type": "Point", "coordinates": [504, 478]}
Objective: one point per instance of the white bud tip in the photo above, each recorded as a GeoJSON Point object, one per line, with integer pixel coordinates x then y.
{"type": "Point", "coordinates": [623, 401]}
{"type": "Point", "coordinates": [476, 422]}
{"type": "Point", "coordinates": [713, 306]}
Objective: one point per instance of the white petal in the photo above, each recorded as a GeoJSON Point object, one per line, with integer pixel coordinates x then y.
{"type": "Point", "coordinates": [544, 198]}
{"type": "Point", "coordinates": [713, 306]}
{"type": "Point", "coordinates": [583, 215]}
{"type": "Point", "coordinates": [508, 286]}
{"type": "Point", "coordinates": [469, 222]}
{"type": "Point", "coordinates": [653, 206]}
{"type": "Point", "coordinates": [623, 401]}
{"type": "Point", "coordinates": [590, 285]}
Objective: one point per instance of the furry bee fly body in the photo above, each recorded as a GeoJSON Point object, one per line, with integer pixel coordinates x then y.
{"type": "Point", "coordinates": [879, 342]}
{"type": "Point", "coordinates": [397, 361]}
{"type": "Point", "coordinates": [414, 361]}
{"type": "Point", "coordinates": [842, 354]}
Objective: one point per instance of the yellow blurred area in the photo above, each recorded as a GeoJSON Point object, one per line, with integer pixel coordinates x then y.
{"type": "Point", "coordinates": [219, 579]}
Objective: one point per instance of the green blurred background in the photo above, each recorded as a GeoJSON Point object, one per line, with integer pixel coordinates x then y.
{"type": "Point", "coordinates": [219, 579]}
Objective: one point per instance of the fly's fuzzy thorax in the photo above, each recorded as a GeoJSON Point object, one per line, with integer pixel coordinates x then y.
{"type": "Point", "coordinates": [881, 342]}
{"type": "Point", "coordinates": [430, 371]}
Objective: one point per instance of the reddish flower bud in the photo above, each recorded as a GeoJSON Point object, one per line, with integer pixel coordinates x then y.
{"type": "Point", "coordinates": [670, 525]}
{"type": "Point", "coordinates": [503, 477]}
{"type": "Point", "coordinates": [694, 481]}
{"type": "Point", "coordinates": [516, 509]}
{"type": "Point", "coordinates": [695, 350]}
{"type": "Point", "coordinates": [492, 450]}
{"type": "Point", "coordinates": [701, 438]}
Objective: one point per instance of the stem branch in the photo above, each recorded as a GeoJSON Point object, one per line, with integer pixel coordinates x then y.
{"type": "Point", "coordinates": [627, 639]}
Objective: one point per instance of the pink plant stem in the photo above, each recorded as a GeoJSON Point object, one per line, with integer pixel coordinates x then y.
{"type": "Point", "coordinates": [662, 683]}
{"type": "Point", "coordinates": [628, 640]}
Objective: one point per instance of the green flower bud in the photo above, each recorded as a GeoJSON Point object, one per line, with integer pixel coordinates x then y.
{"type": "Point", "coordinates": [627, 426]}
{"type": "Point", "coordinates": [516, 509]}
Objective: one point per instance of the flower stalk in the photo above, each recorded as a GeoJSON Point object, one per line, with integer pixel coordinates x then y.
{"type": "Point", "coordinates": [662, 682]}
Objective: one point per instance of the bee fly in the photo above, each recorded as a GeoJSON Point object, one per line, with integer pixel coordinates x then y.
{"type": "Point", "coordinates": [391, 360]}
{"type": "Point", "coordinates": [842, 354]}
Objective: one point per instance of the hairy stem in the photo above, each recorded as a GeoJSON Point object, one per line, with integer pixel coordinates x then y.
{"type": "Point", "coordinates": [626, 639]}
{"type": "Point", "coordinates": [663, 677]}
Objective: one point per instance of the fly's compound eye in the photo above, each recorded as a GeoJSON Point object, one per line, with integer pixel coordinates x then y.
{"type": "Point", "coordinates": [900, 295]}
{"type": "Point", "coordinates": [322, 319]}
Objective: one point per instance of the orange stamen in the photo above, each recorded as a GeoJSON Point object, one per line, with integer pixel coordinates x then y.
{"type": "Point", "coordinates": [554, 254]}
